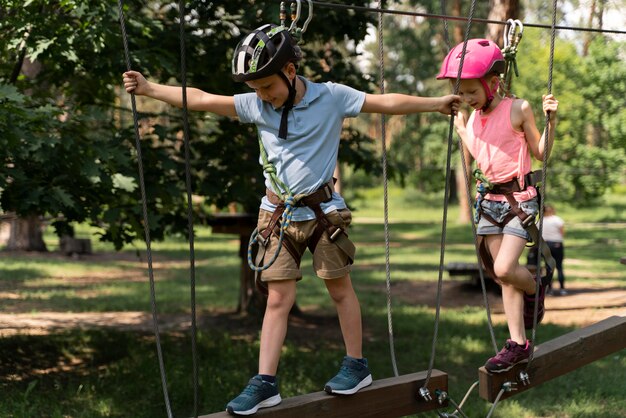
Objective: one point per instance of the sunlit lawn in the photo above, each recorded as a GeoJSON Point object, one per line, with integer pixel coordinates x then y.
{"type": "Point", "coordinates": [115, 374]}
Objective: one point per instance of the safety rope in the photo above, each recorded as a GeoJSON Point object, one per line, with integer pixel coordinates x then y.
{"type": "Point", "coordinates": [290, 200]}
{"type": "Point", "coordinates": [458, 408]}
{"type": "Point", "coordinates": [383, 134]}
{"type": "Point", "coordinates": [190, 232]}
{"type": "Point", "coordinates": [146, 227]}
{"type": "Point", "coordinates": [481, 272]}
{"type": "Point", "coordinates": [446, 32]}
{"type": "Point", "coordinates": [544, 172]}
{"type": "Point", "coordinates": [424, 392]}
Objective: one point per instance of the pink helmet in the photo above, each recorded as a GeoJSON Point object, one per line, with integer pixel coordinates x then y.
{"type": "Point", "coordinates": [482, 57]}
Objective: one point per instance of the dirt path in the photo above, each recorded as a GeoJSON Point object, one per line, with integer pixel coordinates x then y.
{"type": "Point", "coordinates": [583, 305]}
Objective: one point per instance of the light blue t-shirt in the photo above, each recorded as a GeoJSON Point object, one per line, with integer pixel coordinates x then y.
{"type": "Point", "coordinates": [307, 158]}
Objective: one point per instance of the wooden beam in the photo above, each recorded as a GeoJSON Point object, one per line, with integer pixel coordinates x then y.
{"type": "Point", "coordinates": [559, 356]}
{"type": "Point", "coordinates": [392, 397]}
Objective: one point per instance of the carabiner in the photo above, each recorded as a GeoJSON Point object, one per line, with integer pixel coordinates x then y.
{"type": "Point", "coordinates": [513, 32]}
{"type": "Point", "coordinates": [295, 16]}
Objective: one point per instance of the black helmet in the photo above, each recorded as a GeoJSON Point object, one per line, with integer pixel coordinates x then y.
{"type": "Point", "coordinates": [264, 52]}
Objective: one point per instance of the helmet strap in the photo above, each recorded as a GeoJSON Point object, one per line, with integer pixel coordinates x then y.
{"type": "Point", "coordinates": [490, 94]}
{"type": "Point", "coordinates": [282, 131]}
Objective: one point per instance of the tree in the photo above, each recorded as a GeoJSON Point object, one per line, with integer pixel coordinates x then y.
{"type": "Point", "coordinates": [83, 153]}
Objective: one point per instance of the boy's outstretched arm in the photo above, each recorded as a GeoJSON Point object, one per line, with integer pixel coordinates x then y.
{"type": "Point", "coordinates": [135, 82]}
{"type": "Point", "coordinates": [403, 104]}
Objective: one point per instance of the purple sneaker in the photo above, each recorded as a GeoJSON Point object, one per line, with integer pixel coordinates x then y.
{"type": "Point", "coordinates": [509, 356]}
{"type": "Point", "coordinates": [529, 307]}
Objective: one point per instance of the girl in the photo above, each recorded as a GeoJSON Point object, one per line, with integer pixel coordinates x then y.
{"type": "Point", "coordinates": [501, 135]}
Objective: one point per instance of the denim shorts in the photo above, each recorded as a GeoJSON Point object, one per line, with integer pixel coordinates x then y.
{"type": "Point", "coordinates": [498, 211]}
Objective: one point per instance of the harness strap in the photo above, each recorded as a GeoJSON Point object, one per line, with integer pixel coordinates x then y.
{"type": "Point", "coordinates": [485, 256]}
{"type": "Point", "coordinates": [273, 227]}
{"type": "Point", "coordinates": [336, 234]}
{"type": "Point", "coordinates": [528, 222]}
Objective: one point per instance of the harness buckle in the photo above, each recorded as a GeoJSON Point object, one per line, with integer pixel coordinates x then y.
{"type": "Point", "coordinates": [530, 220]}
{"type": "Point", "coordinates": [335, 234]}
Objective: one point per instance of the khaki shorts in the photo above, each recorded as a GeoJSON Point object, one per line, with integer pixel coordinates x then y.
{"type": "Point", "coordinates": [329, 261]}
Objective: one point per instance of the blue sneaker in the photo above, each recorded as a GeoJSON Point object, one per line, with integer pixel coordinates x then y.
{"type": "Point", "coordinates": [352, 377]}
{"type": "Point", "coordinates": [257, 394]}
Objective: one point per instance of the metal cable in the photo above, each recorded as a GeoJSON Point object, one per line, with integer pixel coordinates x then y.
{"type": "Point", "coordinates": [192, 256]}
{"type": "Point", "coordinates": [542, 187]}
{"type": "Point", "coordinates": [445, 205]}
{"type": "Point", "coordinates": [481, 272]}
{"type": "Point", "coordinates": [383, 134]}
{"type": "Point", "coordinates": [455, 18]}
{"type": "Point", "coordinates": [146, 227]}
{"type": "Point", "coordinates": [495, 403]}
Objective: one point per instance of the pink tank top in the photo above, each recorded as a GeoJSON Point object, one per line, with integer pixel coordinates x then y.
{"type": "Point", "coordinates": [500, 151]}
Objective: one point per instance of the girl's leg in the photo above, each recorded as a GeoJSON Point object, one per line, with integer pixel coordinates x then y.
{"type": "Point", "coordinates": [505, 251]}
{"type": "Point", "coordinates": [349, 312]}
{"type": "Point", "coordinates": [515, 280]}
{"type": "Point", "coordinates": [280, 299]}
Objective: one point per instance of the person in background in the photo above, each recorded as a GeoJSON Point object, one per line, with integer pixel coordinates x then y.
{"type": "Point", "coordinates": [553, 234]}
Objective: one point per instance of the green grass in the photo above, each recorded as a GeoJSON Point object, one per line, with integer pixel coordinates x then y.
{"type": "Point", "coordinates": [103, 373]}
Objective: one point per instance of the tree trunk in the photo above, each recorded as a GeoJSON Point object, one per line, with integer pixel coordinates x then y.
{"type": "Point", "coordinates": [501, 10]}
{"type": "Point", "coordinates": [26, 234]}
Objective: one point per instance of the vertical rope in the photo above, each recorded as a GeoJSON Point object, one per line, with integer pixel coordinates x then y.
{"type": "Point", "coordinates": [192, 257]}
{"type": "Point", "coordinates": [445, 206]}
{"type": "Point", "coordinates": [446, 34]}
{"type": "Point", "coordinates": [146, 227]}
{"type": "Point", "coordinates": [383, 134]}
{"type": "Point", "coordinates": [475, 236]}
{"type": "Point", "coordinates": [544, 174]}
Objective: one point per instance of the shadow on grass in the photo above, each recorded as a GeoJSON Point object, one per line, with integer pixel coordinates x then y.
{"type": "Point", "coordinates": [115, 374]}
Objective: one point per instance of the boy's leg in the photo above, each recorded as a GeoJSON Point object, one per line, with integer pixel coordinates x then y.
{"type": "Point", "coordinates": [281, 297]}
{"type": "Point", "coordinates": [262, 393]}
{"type": "Point", "coordinates": [354, 373]}
{"type": "Point", "coordinates": [349, 313]}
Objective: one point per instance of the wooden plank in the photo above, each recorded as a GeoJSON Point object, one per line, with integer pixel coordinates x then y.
{"type": "Point", "coordinates": [392, 397]}
{"type": "Point", "coordinates": [559, 356]}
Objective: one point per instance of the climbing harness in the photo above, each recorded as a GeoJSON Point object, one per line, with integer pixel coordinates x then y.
{"type": "Point", "coordinates": [512, 36]}
{"type": "Point", "coordinates": [507, 189]}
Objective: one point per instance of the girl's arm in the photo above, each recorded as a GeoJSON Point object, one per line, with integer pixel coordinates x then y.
{"type": "Point", "coordinates": [536, 143]}
{"type": "Point", "coordinates": [134, 82]}
{"type": "Point", "coordinates": [403, 104]}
